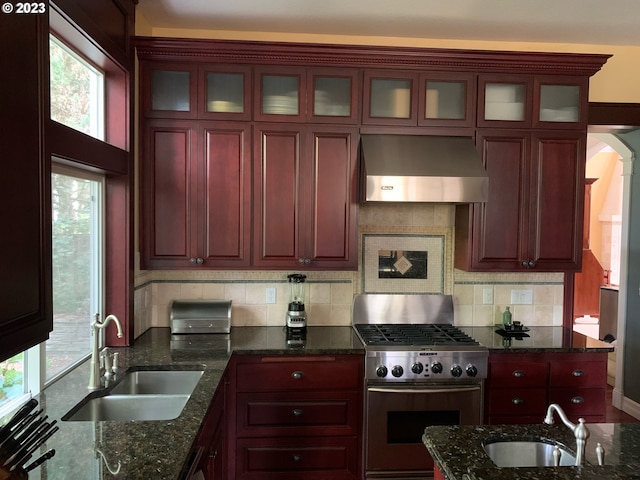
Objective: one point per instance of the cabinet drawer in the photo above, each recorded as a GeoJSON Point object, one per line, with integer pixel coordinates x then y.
{"type": "Point", "coordinates": [306, 413]}
{"type": "Point", "coordinates": [527, 401]}
{"type": "Point", "coordinates": [578, 374]}
{"type": "Point", "coordinates": [518, 374]}
{"type": "Point", "coordinates": [295, 458]}
{"type": "Point", "coordinates": [272, 375]}
{"type": "Point", "coordinates": [579, 401]}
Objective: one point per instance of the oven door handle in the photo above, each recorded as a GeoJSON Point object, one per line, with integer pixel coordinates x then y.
{"type": "Point", "coordinates": [423, 390]}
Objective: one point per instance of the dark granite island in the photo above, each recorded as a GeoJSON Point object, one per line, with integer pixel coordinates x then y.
{"type": "Point", "coordinates": [458, 451]}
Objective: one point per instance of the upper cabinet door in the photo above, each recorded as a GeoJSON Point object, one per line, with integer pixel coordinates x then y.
{"type": "Point", "coordinates": [505, 101]}
{"type": "Point", "coordinates": [333, 96]}
{"type": "Point", "coordinates": [280, 94]}
{"type": "Point", "coordinates": [560, 102]}
{"type": "Point", "coordinates": [169, 90]}
{"type": "Point", "coordinates": [390, 98]}
{"type": "Point", "coordinates": [447, 99]}
{"type": "Point", "coordinates": [224, 92]}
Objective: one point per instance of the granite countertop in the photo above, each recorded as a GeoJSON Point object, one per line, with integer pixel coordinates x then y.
{"type": "Point", "coordinates": [159, 449]}
{"type": "Point", "coordinates": [459, 454]}
{"type": "Point", "coordinates": [538, 340]}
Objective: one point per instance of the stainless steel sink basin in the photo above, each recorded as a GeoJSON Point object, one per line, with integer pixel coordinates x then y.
{"type": "Point", "coordinates": [121, 408]}
{"type": "Point", "coordinates": [140, 395]}
{"type": "Point", "coordinates": [527, 453]}
{"type": "Point", "coordinates": [164, 382]}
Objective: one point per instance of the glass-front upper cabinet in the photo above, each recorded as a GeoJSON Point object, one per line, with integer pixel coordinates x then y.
{"type": "Point", "coordinates": [560, 102]}
{"type": "Point", "coordinates": [390, 98]}
{"type": "Point", "coordinates": [225, 92]}
{"type": "Point", "coordinates": [447, 100]}
{"type": "Point", "coordinates": [332, 95]}
{"type": "Point", "coordinates": [280, 94]}
{"type": "Point", "coordinates": [169, 90]}
{"type": "Point", "coordinates": [504, 101]}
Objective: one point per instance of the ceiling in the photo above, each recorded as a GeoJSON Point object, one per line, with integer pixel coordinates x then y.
{"type": "Point", "coordinates": [601, 22]}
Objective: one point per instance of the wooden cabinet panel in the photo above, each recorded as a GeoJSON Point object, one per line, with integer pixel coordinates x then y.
{"type": "Point", "coordinates": [169, 234]}
{"type": "Point", "coordinates": [225, 200]}
{"type": "Point", "coordinates": [518, 401]}
{"type": "Point", "coordinates": [533, 218]}
{"type": "Point", "coordinates": [305, 197]}
{"type": "Point", "coordinates": [25, 298]}
{"type": "Point", "coordinates": [297, 458]}
{"type": "Point", "coordinates": [298, 375]}
{"type": "Point", "coordinates": [307, 413]}
{"type": "Point", "coordinates": [519, 374]}
{"type": "Point", "coordinates": [578, 402]}
{"type": "Point", "coordinates": [190, 170]}
{"type": "Point", "coordinates": [579, 373]}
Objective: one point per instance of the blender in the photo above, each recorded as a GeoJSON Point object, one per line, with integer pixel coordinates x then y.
{"type": "Point", "coordinates": [296, 316]}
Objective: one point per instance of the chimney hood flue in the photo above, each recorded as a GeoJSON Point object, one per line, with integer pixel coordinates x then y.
{"type": "Point", "coordinates": [422, 168]}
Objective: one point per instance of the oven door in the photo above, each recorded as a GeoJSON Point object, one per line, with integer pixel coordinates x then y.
{"type": "Point", "coordinates": [397, 416]}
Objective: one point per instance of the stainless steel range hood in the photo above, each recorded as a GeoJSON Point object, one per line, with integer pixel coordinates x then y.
{"type": "Point", "coordinates": [422, 168]}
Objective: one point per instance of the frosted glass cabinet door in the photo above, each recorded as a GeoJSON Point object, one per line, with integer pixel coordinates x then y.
{"type": "Point", "coordinates": [169, 90]}
{"type": "Point", "coordinates": [447, 99]}
{"type": "Point", "coordinates": [224, 92]}
{"type": "Point", "coordinates": [505, 102]}
{"type": "Point", "coordinates": [280, 95]}
{"type": "Point", "coordinates": [390, 98]}
{"type": "Point", "coordinates": [559, 103]}
{"type": "Point", "coordinates": [332, 95]}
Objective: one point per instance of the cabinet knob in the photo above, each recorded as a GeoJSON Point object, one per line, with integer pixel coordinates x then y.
{"type": "Point", "coordinates": [578, 373]}
{"type": "Point", "coordinates": [297, 375]}
{"type": "Point", "coordinates": [296, 412]}
{"type": "Point", "coordinates": [518, 373]}
{"type": "Point", "coordinates": [194, 261]}
{"type": "Point", "coordinates": [213, 454]}
{"type": "Point", "coordinates": [304, 261]}
{"type": "Point", "coordinates": [577, 399]}
{"type": "Point", "coordinates": [297, 458]}
{"type": "Point", "coordinates": [517, 401]}
{"type": "Point", "coordinates": [528, 263]}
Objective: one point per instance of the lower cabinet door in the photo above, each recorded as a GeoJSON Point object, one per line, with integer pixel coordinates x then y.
{"type": "Point", "coordinates": [297, 458]}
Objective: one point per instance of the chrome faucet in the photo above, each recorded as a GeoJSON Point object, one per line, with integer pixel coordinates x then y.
{"type": "Point", "coordinates": [96, 326]}
{"type": "Point", "coordinates": [579, 430]}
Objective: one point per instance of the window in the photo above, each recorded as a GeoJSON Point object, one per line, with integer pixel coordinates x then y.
{"type": "Point", "coordinates": [76, 215]}
{"type": "Point", "coordinates": [77, 90]}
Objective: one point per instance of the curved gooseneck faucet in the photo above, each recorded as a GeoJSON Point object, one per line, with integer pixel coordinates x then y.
{"type": "Point", "coordinates": [96, 326]}
{"type": "Point", "coordinates": [579, 430]}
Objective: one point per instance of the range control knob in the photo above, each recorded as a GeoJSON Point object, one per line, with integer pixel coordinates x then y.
{"type": "Point", "coordinates": [397, 371]}
{"type": "Point", "coordinates": [381, 371]}
{"type": "Point", "coordinates": [417, 368]}
{"type": "Point", "coordinates": [456, 370]}
{"type": "Point", "coordinates": [471, 370]}
{"type": "Point", "coordinates": [436, 367]}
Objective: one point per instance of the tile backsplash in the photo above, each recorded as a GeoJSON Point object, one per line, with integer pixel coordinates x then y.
{"type": "Point", "coordinates": [329, 294]}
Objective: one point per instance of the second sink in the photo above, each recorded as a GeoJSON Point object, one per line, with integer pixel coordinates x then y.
{"type": "Point", "coordinates": [527, 453]}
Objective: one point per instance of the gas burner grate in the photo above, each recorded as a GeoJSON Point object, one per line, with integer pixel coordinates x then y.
{"type": "Point", "coordinates": [413, 334]}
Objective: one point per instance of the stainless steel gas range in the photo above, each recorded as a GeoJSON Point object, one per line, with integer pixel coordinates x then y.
{"type": "Point", "coordinates": [420, 370]}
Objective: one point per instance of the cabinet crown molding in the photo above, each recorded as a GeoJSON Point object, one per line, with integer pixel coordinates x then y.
{"type": "Point", "coordinates": [252, 52]}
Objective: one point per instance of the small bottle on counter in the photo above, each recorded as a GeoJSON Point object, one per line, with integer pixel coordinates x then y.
{"type": "Point", "coordinates": [506, 318]}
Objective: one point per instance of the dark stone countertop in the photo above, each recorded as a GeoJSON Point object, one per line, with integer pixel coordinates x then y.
{"type": "Point", "coordinates": [458, 451]}
{"type": "Point", "coordinates": [144, 450]}
{"type": "Point", "coordinates": [539, 340]}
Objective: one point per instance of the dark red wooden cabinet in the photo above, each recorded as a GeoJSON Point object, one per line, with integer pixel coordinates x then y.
{"type": "Point", "coordinates": [25, 243]}
{"type": "Point", "coordinates": [305, 181]}
{"type": "Point", "coordinates": [531, 220]}
{"type": "Point", "coordinates": [296, 417]}
{"type": "Point", "coordinates": [521, 386]}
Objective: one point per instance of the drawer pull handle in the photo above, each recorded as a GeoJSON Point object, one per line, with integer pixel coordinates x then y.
{"type": "Point", "coordinates": [517, 401]}
{"type": "Point", "coordinates": [296, 412]}
{"type": "Point", "coordinates": [518, 373]}
{"type": "Point", "coordinates": [297, 375]}
{"type": "Point", "coordinates": [577, 399]}
{"type": "Point", "coordinates": [578, 373]}
{"type": "Point", "coordinates": [297, 458]}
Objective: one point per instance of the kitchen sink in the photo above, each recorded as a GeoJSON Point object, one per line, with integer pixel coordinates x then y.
{"type": "Point", "coordinates": [164, 382]}
{"type": "Point", "coordinates": [122, 408]}
{"type": "Point", "coordinates": [527, 453]}
{"type": "Point", "coordinates": [140, 395]}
